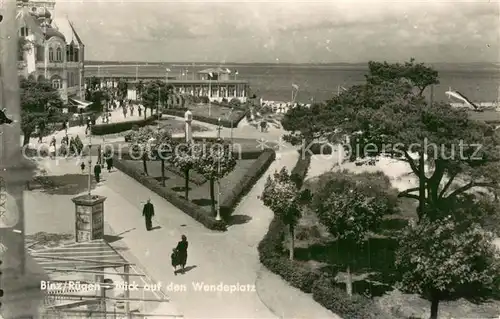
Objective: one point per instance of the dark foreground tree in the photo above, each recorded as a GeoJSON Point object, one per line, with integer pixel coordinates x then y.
{"type": "Point", "coordinates": [41, 104]}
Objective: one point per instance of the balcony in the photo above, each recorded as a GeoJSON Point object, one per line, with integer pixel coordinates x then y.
{"type": "Point", "coordinates": [50, 65]}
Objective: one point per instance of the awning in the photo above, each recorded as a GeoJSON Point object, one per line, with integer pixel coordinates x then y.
{"type": "Point", "coordinates": [78, 103]}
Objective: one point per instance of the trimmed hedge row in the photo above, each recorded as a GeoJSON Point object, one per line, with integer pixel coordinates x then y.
{"type": "Point", "coordinates": [210, 120]}
{"type": "Point", "coordinates": [252, 175]}
{"type": "Point", "coordinates": [113, 128]}
{"type": "Point", "coordinates": [186, 206]}
{"type": "Point", "coordinates": [325, 290]}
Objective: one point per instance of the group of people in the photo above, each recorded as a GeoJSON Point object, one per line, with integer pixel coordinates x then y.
{"type": "Point", "coordinates": [130, 106]}
{"type": "Point", "coordinates": [102, 159]}
{"type": "Point", "coordinates": [179, 253]}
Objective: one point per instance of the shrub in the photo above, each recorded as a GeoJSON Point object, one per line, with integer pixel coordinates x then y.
{"type": "Point", "coordinates": [112, 128]}
{"type": "Point", "coordinates": [196, 212]}
{"type": "Point", "coordinates": [253, 174]}
{"type": "Point", "coordinates": [270, 249]}
{"type": "Point", "coordinates": [327, 293]}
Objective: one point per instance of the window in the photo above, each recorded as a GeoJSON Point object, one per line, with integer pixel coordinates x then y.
{"type": "Point", "coordinates": [51, 54]}
{"type": "Point", "coordinates": [24, 32]}
{"type": "Point", "coordinates": [59, 57]}
{"type": "Point", "coordinates": [57, 83]}
{"type": "Point", "coordinates": [76, 53]}
{"type": "Point", "coordinates": [40, 53]}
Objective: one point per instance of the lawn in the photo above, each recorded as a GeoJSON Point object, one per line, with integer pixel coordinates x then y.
{"type": "Point", "coordinates": [489, 116]}
{"type": "Point", "coordinates": [198, 194]}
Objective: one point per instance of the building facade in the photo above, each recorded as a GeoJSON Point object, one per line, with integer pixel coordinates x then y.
{"type": "Point", "coordinates": [214, 83]}
{"type": "Point", "coordinates": [52, 49]}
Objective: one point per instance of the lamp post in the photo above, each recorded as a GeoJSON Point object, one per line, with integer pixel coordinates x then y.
{"type": "Point", "coordinates": [90, 159]}
{"type": "Point", "coordinates": [218, 170]}
{"type": "Point", "coordinates": [158, 109]}
{"type": "Point", "coordinates": [231, 118]}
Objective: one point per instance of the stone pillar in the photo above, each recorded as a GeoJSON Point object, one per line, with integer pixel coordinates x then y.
{"type": "Point", "coordinates": [188, 117]}
{"type": "Point", "coordinates": [89, 225]}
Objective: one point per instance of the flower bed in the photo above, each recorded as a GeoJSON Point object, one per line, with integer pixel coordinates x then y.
{"type": "Point", "coordinates": [202, 114]}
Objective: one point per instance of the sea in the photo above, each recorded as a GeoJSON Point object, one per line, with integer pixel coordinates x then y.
{"type": "Point", "coordinates": [274, 82]}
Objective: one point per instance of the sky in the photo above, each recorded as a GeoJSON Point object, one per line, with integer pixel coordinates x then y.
{"type": "Point", "coordinates": [334, 31]}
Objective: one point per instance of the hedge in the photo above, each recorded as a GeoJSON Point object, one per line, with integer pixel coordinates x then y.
{"type": "Point", "coordinates": [112, 128]}
{"type": "Point", "coordinates": [186, 206]}
{"type": "Point", "coordinates": [211, 120]}
{"type": "Point", "coordinates": [325, 290]}
{"type": "Point", "coordinates": [254, 172]}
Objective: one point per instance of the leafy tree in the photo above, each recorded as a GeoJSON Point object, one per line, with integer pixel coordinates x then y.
{"type": "Point", "coordinates": [352, 206]}
{"type": "Point", "coordinates": [448, 259]}
{"type": "Point", "coordinates": [389, 115]}
{"type": "Point", "coordinates": [122, 89]}
{"type": "Point", "coordinates": [185, 159]}
{"type": "Point", "coordinates": [214, 161]}
{"type": "Point", "coordinates": [154, 91]}
{"type": "Point", "coordinates": [151, 144]}
{"type": "Point", "coordinates": [40, 105]}
{"type": "Point", "coordinates": [283, 196]}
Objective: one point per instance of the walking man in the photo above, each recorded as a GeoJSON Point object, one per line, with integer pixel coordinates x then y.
{"type": "Point", "coordinates": [97, 173]}
{"type": "Point", "coordinates": [148, 212]}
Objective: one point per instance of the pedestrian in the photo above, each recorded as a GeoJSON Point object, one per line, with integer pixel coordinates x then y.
{"type": "Point", "coordinates": [109, 163]}
{"type": "Point", "coordinates": [139, 110]}
{"type": "Point", "coordinates": [82, 167]}
{"type": "Point", "coordinates": [124, 111]}
{"type": "Point", "coordinates": [148, 212]}
{"type": "Point", "coordinates": [174, 258]}
{"type": "Point", "coordinates": [65, 127]}
{"type": "Point", "coordinates": [181, 252]}
{"type": "Point", "coordinates": [131, 110]}
{"type": "Point", "coordinates": [52, 151]}
{"type": "Point", "coordinates": [53, 141]}
{"type": "Point", "coordinates": [89, 122]}
{"type": "Point", "coordinates": [97, 173]}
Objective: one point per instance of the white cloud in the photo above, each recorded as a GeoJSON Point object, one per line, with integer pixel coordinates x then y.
{"type": "Point", "coordinates": [357, 30]}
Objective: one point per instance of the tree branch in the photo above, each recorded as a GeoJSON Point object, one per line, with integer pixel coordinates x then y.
{"type": "Point", "coordinates": [472, 185]}
{"type": "Point", "coordinates": [407, 192]}
{"type": "Point", "coordinates": [411, 161]}
{"type": "Point", "coordinates": [447, 185]}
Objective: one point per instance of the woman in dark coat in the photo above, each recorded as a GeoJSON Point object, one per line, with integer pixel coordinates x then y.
{"type": "Point", "coordinates": [181, 252]}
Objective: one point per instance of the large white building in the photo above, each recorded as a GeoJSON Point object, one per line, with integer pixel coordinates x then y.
{"type": "Point", "coordinates": [52, 49]}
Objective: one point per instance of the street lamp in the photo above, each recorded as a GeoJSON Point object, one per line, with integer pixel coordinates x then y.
{"type": "Point", "coordinates": [158, 109]}
{"type": "Point", "coordinates": [231, 118]}
{"type": "Point", "coordinates": [218, 169]}
{"type": "Point", "coordinates": [90, 157]}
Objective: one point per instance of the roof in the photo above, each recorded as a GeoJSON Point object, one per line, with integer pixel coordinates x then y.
{"type": "Point", "coordinates": [215, 71]}
{"type": "Point", "coordinates": [96, 254]}
{"type": "Point", "coordinates": [64, 26]}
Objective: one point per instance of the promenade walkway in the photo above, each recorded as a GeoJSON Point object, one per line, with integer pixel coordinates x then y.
{"type": "Point", "coordinates": [229, 258]}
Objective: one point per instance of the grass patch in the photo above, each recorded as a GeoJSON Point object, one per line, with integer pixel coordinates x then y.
{"type": "Point", "coordinates": [211, 114]}
{"type": "Point", "coordinates": [198, 194]}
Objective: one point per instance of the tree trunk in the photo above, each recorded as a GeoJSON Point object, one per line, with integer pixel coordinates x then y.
{"type": "Point", "coordinates": [434, 307]}
{"type": "Point", "coordinates": [26, 139]}
{"type": "Point", "coordinates": [292, 241]}
{"type": "Point", "coordinates": [421, 180]}
{"type": "Point", "coordinates": [144, 164]}
{"type": "Point", "coordinates": [163, 173]}
{"type": "Point", "coordinates": [186, 184]}
{"type": "Point", "coordinates": [212, 195]}
{"type": "Point", "coordinates": [348, 283]}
